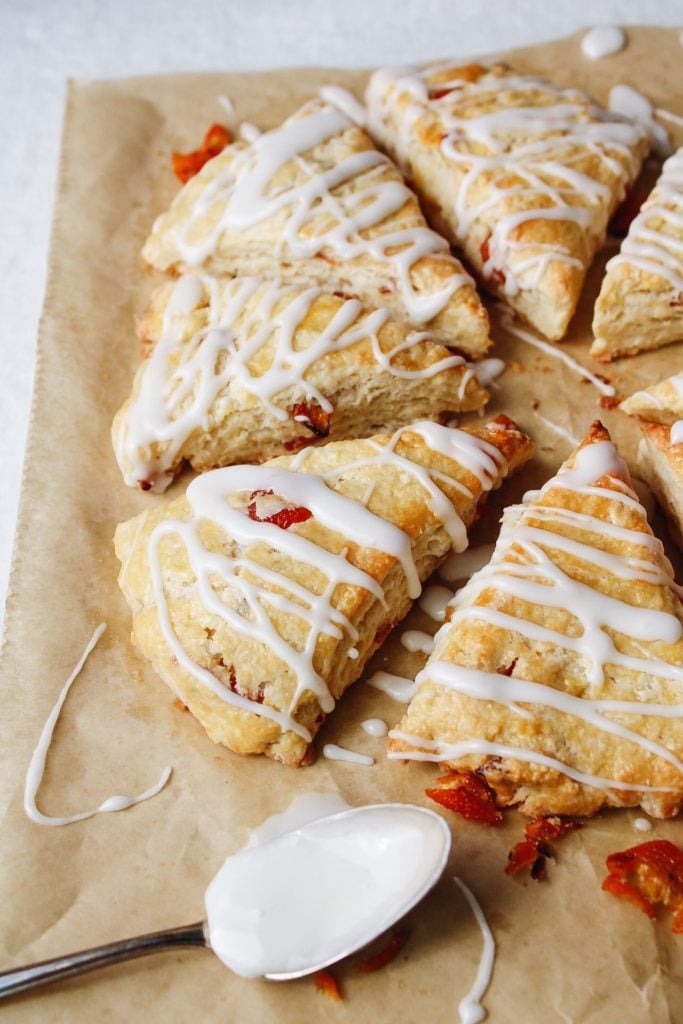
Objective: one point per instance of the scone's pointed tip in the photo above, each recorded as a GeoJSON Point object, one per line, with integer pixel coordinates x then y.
{"type": "Point", "coordinates": [505, 422]}
{"type": "Point", "coordinates": [596, 432]}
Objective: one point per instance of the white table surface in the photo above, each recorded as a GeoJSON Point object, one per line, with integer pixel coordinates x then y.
{"type": "Point", "coordinates": [44, 42]}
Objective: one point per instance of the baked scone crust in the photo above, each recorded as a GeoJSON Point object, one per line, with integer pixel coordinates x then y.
{"type": "Point", "coordinates": [234, 365]}
{"type": "Point", "coordinates": [542, 693]}
{"type": "Point", "coordinates": [314, 202]}
{"type": "Point", "coordinates": [520, 174]}
{"type": "Point", "coordinates": [640, 306]}
{"type": "Point", "coordinates": [660, 403]}
{"type": "Point", "coordinates": [363, 471]}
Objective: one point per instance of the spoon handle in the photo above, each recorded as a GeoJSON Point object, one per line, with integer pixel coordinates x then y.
{"type": "Point", "coordinates": [19, 979]}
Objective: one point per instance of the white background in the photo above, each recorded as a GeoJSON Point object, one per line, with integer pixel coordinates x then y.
{"type": "Point", "coordinates": [44, 42]}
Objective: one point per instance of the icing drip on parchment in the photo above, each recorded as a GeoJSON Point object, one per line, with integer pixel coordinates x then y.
{"type": "Point", "coordinates": [319, 218]}
{"type": "Point", "coordinates": [603, 41]}
{"type": "Point", "coordinates": [241, 591]}
{"type": "Point", "coordinates": [34, 775]}
{"type": "Point", "coordinates": [512, 326]}
{"type": "Point", "coordinates": [470, 1009]}
{"type": "Point", "coordinates": [522, 569]}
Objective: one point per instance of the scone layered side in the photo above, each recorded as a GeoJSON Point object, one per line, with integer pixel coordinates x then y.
{"type": "Point", "coordinates": [285, 366]}
{"type": "Point", "coordinates": [249, 666]}
{"type": "Point", "coordinates": [640, 305]}
{"type": "Point", "coordinates": [560, 168]}
{"type": "Point", "coordinates": [510, 685]}
{"type": "Point", "coordinates": [660, 403]}
{"type": "Point", "coordinates": [660, 464]}
{"type": "Point", "coordinates": [367, 234]}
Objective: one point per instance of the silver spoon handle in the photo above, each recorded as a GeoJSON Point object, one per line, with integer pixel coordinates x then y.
{"type": "Point", "coordinates": [19, 979]}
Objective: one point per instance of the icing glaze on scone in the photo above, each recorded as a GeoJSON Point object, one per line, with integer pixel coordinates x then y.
{"type": "Point", "coordinates": [545, 589]}
{"type": "Point", "coordinates": [521, 174]}
{"type": "Point", "coordinates": [269, 350]}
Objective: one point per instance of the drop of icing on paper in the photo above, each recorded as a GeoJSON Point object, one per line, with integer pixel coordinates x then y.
{"type": "Point", "coordinates": [434, 600]}
{"type": "Point", "coordinates": [602, 41]}
{"type": "Point", "coordinates": [336, 753]}
{"type": "Point", "coordinates": [416, 640]}
{"type": "Point", "coordinates": [374, 727]}
{"type": "Point", "coordinates": [398, 687]}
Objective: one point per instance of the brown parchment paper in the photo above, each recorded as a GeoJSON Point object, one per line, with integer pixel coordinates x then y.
{"type": "Point", "coordinates": [567, 951]}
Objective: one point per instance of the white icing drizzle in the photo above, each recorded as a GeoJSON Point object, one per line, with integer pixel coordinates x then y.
{"type": "Point", "coordinates": [531, 576]}
{"type": "Point", "coordinates": [512, 326]}
{"type": "Point", "coordinates": [460, 566]}
{"type": "Point", "coordinates": [36, 769]}
{"type": "Point", "coordinates": [229, 112]}
{"type": "Point", "coordinates": [668, 115]}
{"type": "Point", "coordinates": [676, 434]}
{"type": "Point", "coordinates": [374, 727]}
{"type": "Point", "coordinates": [478, 456]}
{"type": "Point", "coordinates": [345, 101]}
{"type": "Point", "coordinates": [399, 688]}
{"type": "Point", "coordinates": [434, 601]}
{"type": "Point", "coordinates": [557, 429]}
{"type": "Point", "coordinates": [627, 101]}
{"type": "Point", "coordinates": [642, 825]}
{"type": "Point", "coordinates": [240, 590]}
{"type": "Point", "coordinates": [243, 196]}
{"type": "Point", "coordinates": [415, 640]}
{"type": "Point", "coordinates": [653, 243]}
{"type": "Point", "coordinates": [488, 370]}
{"type": "Point", "coordinates": [249, 132]}
{"type": "Point", "coordinates": [523, 140]}
{"type": "Point", "coordinates": [470, 1009]}
{"type": "Point", "coordinates": [602, 41]}
{"type": "Point", "coordinates": [335, 753]}
{"type": "Point", "coordinates": [185, 379]}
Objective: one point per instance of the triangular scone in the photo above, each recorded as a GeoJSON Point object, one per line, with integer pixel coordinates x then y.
{"type": "Point", "coordinates": [260, 595]}
{"type": "Point", "coordinates": [520, 174]}
{"type": "Point", "coordinates": [313, 201]}
{"type": "Point", "coordinates": [640, 305]}
{"type": "Point", "coordinates": [242, 369]}
{"type": "Point", "coordinates": [558, 676]}
{"type": "Point", "coordinates": [660, 463]}
{"type": "Point", "coordinates": [661, 403]}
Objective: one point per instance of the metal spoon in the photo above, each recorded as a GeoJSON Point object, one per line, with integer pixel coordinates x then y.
{"type": "Point", "coordinates": [21, 979]}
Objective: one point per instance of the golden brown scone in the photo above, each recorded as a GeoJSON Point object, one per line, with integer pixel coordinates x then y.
{"type": "Point", "coordinates": [640, 305]}
{"type": "Point", "coordinates": [314, 202]}
{"type": "Point", "coordinates": [661, 403]}
{"type": "Point", "coordinates": [261, 594]}
{"type": "Point", "coordinates": [520, 174]}
{"type": "Point", "coordinates": [558, 676]}
{"type": "Point", "coordinates": [660, 463]}
{"type": "Point", "coordinates": [241, 370]}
